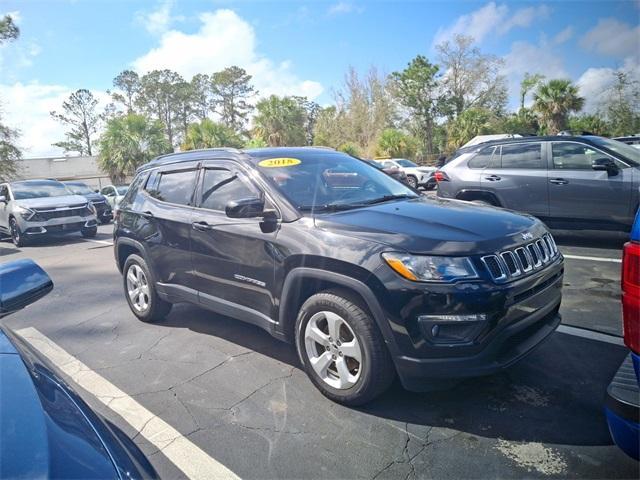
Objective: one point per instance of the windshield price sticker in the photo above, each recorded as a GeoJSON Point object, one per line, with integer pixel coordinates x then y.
{"type": "Point", "coordinates": [279, 162]}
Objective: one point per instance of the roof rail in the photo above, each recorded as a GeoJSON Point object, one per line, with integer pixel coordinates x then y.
{"type": "Point", "coordinates": [217, 149]}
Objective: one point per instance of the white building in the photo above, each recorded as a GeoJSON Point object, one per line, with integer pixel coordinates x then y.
{"type": "Point", "coordinates": [85, 169]}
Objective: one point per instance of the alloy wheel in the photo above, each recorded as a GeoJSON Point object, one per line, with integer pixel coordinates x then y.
{"type": "Point", "coordinates": [138, 288]}
{"type": "Point", "coordinates": [15, 232]}
{"type": "Point", "coordinates": [333, 350]}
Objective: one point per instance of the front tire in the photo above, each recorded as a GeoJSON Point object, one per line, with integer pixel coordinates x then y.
{"type": "Point", "coordinates": [341, 348]}
{"type": "Point", "coordinates": [89, 232]}
{"type": "Point", "coordinates": [140, 291]}
{"type": "Point", "coordinates": [17, 237]}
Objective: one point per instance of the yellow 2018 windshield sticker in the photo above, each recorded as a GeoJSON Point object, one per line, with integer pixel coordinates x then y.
{"type": "Point", "coordinates": [279, 162]}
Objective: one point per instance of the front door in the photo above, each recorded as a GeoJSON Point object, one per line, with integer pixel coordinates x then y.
{"type": "Point", "coordinates": [232, 257]}
{"type": "Point", "coordinates": [517, 175]}
{"type": "Point", "coordinates": [4, 208]}
{"type": "Point", "coordinates": [576, 191]}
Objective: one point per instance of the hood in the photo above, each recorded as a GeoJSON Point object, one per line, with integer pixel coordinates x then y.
{"type": "Point", "coordinates": [435, 226]}
{"type": "Point", "coordinates": [52, 202]}
{"type": "Point", "coordinates": [48, 431]}
{"type": "Point", "coordinates": [94, 197]}
{"type": "Point", "coordinates": [427, 169]}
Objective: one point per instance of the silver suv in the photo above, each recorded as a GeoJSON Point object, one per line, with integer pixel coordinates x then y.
{"type": "Point", "coordinates": [583, 182]}
{"type": "Point", "coordinates": [417, 176]}
{"type": "Point", "coordinates": [35, 208]}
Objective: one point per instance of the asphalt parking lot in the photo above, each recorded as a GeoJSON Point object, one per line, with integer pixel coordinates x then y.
{"type": "Point", "coordinates": [235, 395]}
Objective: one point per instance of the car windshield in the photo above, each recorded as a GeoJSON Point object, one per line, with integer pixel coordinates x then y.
{"type": "Point", "coordinates": [38, 189]}
{"type": "Point", "coordinates": [627, 151]}
{"type": "Point", "coordinates": [317, 182]}
{"type": "Point", "coordinates": [406, 163]}
{"type": "Point", "coordinates": [122, 189]}
{"type": "Point", "coordinates": [79, 188]}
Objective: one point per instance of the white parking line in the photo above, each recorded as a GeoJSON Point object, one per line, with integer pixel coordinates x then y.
{"type": "Point", "coordinates": [590, 334]}
{"type": "Point", "coordinates": [595, 259]}
{"type": "Point", "coordinates": [102, 242]}
{"type": "Point", "coordinates": [185, 455]}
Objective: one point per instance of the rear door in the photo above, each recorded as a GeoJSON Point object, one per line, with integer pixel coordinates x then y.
{"type": "Point", "coordinates": [517, 176]}
{"type": "Point", "coordinates": [576, 191]}
{"type": "Point", "coordinates": [233, 258]}
{"type": "Point", "coordinates": [168, 210]}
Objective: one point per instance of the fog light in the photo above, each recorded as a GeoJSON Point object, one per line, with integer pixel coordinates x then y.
{"type": "Point", "coordinates": [452, 329]}
{"type": "Point", "coordinates": [475, 317]}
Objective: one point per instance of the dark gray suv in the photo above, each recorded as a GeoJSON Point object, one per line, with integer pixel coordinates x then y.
{"type": "Point", "coordinates": [584, 182]}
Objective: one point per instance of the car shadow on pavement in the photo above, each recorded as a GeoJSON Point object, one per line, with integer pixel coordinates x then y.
{"type": "Point", "coordinates": [590, 239]}
{"type": "Point", "coordinates": [555, 395]}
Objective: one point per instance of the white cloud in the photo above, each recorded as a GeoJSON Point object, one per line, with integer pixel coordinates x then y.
{"type": "Point", "coordinates": [159, 20]}
{"type": "Point", "coordinates": [224, 39]}
{"type": "Point", "coordinates": [563, 36]}
{"type": "Point", "coordinates": [26, 107]}
{"type": "Point", "coordinates": [340, 8]}
{"type": "Point", "coordinates": [491, 19]}
{"type": "Point", "coordinates": [594, 83]}
{"type": "Point", "coordinates": [613, 38]}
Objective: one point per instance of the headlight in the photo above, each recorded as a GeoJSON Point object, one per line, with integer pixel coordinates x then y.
{"type": "Point", "coordinates": [92, 208]}
{"type": "Point", "coordinates": [420, 268]}
{"type": "Point", "coordinates": [24, 212]}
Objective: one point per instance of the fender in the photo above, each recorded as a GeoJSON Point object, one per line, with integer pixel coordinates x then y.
{"type": "Point", "coordinates": [478, 195]}
{"type": "Point", "coordinates": [132, 243]}
{"type": "Point", "coordinates": [286, 317]}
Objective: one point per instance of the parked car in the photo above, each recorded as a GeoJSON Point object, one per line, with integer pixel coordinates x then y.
{"type": "Point", "coordinates": [416, 176]}
{"type": "Point", "coordinates": [114, 194]}
{"type": "Point", "coordinates": [633, 140]}
{"type": "Point", "coordinates": [586, 182]}
{"type": "Point", "coordinates": [366, 282]}
{"type": "Point", "coordinates": [46, 429]}
{"type": "Point", "coordinates": [37, 208]}
{"type": "Point", "coordinates": [394, 172]}
{"type": "Point", "coordinates": [622, 404]}
{"type": "Point", "coordinates": [99, 201]}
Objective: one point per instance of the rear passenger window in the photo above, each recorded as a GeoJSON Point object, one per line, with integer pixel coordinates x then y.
{"type": "Point", "coordinates": [482, 158]}
{"type": "Point", "coordinates": [175, 187]}
{"type": "Point", "coordinates": [522, 155]}
{"type": "Point", "coordinates": [221, 186]}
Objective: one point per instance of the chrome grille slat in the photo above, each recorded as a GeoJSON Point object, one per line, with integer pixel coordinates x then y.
{"type": "Point", "coordinates": [520, 261]}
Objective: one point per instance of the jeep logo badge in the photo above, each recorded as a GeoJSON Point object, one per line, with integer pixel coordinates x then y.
{"type": "Point", "coordinates": [527, 235]}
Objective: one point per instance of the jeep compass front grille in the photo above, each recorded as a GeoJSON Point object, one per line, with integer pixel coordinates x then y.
{"type": "Point", "coordinates": [512, 264]}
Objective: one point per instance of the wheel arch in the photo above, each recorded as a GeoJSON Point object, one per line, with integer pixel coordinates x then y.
{"type": "Point", "coordinates": [126, 247]}
{"type": "Point", "coordinates": [469, 195]}
{"type": "Point", "coordinates": [302, 282]}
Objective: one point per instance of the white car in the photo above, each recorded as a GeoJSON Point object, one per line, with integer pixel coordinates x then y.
{"type": "Point", "coordinates": [416, 176]}
{"type": "Point", "coordinates": [114, 194]}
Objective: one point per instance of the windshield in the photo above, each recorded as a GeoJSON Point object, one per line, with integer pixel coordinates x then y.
{"type": "Point", "coordinates": [406, 163]}
{"type": "Point", "coordinates": [79, 188]}
{"type": "Point", "coordinates": [332, 181]}
{"type": "Point", "coordinates": [627, 151]}
{"type": "Point", "coordinates": [38, 189]}
{"type": "Point", "coordinates": [122, 190]}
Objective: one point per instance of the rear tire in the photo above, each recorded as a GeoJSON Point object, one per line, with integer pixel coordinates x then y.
{"type": "Point", "coordinates": [353, 368]}
{"type": "Point", "coordinates": [17, 237]}
{"type": "Point", "coordinates": [140, 291]}
{"type": "Point", "coordinates": [412, 181]}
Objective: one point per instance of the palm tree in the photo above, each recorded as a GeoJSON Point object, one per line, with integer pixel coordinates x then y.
{"type": "Point", "coordinates": [553, 101]}
{"type": "Point", "coordinates": [209, 134]}
{"type": "Point", "coordinates": [280, 121]}
{"type": "Point", "coordinates": [128, 142]}
{"type": "Point", "coordinates": [470, 123]}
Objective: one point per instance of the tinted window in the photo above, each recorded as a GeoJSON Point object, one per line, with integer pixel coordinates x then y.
{"type": "Point", "coordinates": [573, 156]}
{"type": "Point", "coordinates": [79, 188]}
{"type": "Point", "coordinates": [4, 191]}
{"type": "Point", "coordinates": [482, 158]}
{"type": "Point", "coordinates": [176, 187]}
{"type": "Point", "coordinates": [108, 191]}
{"type": "Point", "coordinates": [221, 186]}
{"type": "Point", "coordinates": [406, 163]}
{"type": "Point", "coordinates": [522, 155]}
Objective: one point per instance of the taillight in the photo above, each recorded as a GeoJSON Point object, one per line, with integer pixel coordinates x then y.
{"type": "Point", "coordinates": [631, 295]}
{"type": "Point", "coordinates": [440, 176]}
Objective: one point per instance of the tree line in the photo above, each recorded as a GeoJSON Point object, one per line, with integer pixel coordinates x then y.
{"type": "Point", "coordinates": [427, 109]}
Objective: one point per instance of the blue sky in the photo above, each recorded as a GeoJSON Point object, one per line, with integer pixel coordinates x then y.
{"type": "Point", "coordinates": [293, 47]}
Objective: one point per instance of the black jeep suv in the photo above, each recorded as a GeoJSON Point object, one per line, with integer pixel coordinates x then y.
{"type": "Point", "coordinates": [365, 276]}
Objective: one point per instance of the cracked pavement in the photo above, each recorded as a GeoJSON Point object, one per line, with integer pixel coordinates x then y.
{"type": "Point", "coordinates": [241, 396]}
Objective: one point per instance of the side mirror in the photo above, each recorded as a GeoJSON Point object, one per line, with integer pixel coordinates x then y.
{"type": "Point", "coordinates": [245, 208]}
{"type": "Point", "coordinates": [22, 282]}
{"type": "Point", "coordinates": [604, 164]}
{"type": "Point", "coordinates": [3, 199]}
{"type": "Point", "coordinates": [97, 191]}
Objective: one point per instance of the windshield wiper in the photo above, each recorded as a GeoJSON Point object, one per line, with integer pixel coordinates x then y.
{"type": "Point", "coordinates": [331, 207]}
{"type": "Point", "coordinates": [388, 198]}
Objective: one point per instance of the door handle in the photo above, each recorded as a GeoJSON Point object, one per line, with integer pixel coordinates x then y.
{"type": "Point", "coordinates": [558, 181]}
{"type": "Point", "coordinates": [201, 226]}
{"type": "Point", "coordinates": [147, 214]}
{"type": "Point", "coordinates": [493, 178]}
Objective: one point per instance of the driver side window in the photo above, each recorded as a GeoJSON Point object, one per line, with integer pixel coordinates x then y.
{"type": "Point", "coordinates": [220, 186]}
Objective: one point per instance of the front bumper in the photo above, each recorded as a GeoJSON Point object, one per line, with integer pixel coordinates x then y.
{"type": "Point", "coordinates": [622, 408]}
{"type": "Point", "coordinates": [103, 211]}
{"type": "Point", "coordinates": [57, 226]}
